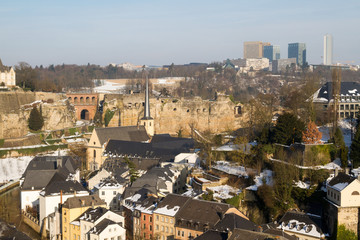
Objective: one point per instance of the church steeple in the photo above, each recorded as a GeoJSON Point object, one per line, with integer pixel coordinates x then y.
{"type": "Point", "coordinates": [147, 121]}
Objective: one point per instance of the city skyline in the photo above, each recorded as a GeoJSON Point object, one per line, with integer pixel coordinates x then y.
{"type": "Point", "coordinates": [159, 33]}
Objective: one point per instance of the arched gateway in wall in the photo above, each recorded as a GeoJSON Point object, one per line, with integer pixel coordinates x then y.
{"type": "Point", "coordinates": [85, 104]}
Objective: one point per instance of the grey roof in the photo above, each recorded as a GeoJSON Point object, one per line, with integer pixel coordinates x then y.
{"type": "Point", "coordinates": [127, 133]}
{"type": "Point", "coordinates": [232, 221]}
{"type": "Point", "coordinates": [59, 183]}
{"type": "Point", "coordinates": [101, 226]}
{"type": "Point", "coordinates": [341, 178]}
{"type": "Point", "coordinates": [345, 87]}
{"type": "Point", "coordinates": [83, 201]}
{"type": "Point", "coordinates": [213, 235]}
{"type": "Point", "coordinates": [173, 200]}
{"type": "Point", "coordinates": [91, 214]}
{"type": "Point", "coordinates": [196, 214]}
{"type": "Point", "coordinates": [41, 170]}
{"type": "Point", "coordinates": [303, 218]}
{"type": "Point", "coordinates": [241, 234]}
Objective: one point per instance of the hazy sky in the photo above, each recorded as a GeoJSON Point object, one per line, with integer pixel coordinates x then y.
{"type": "Point", "coordinates": [161, 32]}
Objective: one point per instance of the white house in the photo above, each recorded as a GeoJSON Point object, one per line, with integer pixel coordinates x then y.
{"type": "Point", "coordinates": [92, 217]}
{"type": "Point", "coordinates": [96, 177]}
{"type": "Point", "coordinates": [191, 158]}
{"type": "Point", "coordinates": [344, 191]}
{"type": "Point", "coordinates": [107, 229]}
{"type": "Point", "coordinates": [110, 191]}
{"type": "Point", "coordinates": [7, 76]}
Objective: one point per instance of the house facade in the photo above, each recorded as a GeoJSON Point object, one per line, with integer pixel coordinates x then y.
{"type": "Point", "coordinates": [7, 76]}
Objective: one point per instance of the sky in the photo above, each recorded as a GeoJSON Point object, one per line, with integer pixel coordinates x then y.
{"type": "Point", "coordinates": [159, 32]}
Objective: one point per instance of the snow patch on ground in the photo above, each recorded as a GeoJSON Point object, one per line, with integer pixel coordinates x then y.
{"type": "Point", "coordinates": [109, 87]}
{"type": "Point", "coordinates": [303, 185]}
{"type": "Point", "coordinates": [266, 175]}
{"type": "Point", "coordinates": [224, 191]}
{"type": "Point", "coordinates": [230, 168]}
{"type": "Point", "coordinates": [13, 168]}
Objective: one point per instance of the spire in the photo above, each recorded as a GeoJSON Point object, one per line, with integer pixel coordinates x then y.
{"type": "Point", "coordinates": [147, 105]}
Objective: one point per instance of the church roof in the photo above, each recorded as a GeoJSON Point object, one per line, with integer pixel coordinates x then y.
{"type": "Point", "coordinates": [126, 133]}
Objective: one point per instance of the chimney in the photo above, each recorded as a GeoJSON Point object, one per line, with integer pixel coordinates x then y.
{"type": "Point", "coordinates": [336, 172]}
{"type": "Point", "coordinates": [347, 170]}
{"type": "Point", "coordinates": [92, 204]}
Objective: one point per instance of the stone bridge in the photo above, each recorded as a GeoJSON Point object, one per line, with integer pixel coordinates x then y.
{"type": "Point", "coordinates": [85, 104]}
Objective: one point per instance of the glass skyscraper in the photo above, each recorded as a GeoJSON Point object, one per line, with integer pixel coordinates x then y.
{"type": "Point", "coordinates": [272, 52]}
{"type": "Point", "coordinates": [298, 51]}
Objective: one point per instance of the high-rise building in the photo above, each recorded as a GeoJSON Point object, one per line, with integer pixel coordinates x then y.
{"type": "Point", "coordinates": [254, 49]}
{"type": "Point", "coordinates": [298, 51]}
{"type": "Point", "coordinates": [271, 52]}
{"type": "Point", "coordinates": [328, 49]}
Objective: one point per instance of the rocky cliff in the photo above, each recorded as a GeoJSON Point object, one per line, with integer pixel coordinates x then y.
{"type": "Point", "coordinates": [15, 109]}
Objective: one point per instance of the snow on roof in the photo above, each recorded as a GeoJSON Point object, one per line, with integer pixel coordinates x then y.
{"type": "Point", "coordinates": [353, 91]}
{"type": "Point", "coordinates": [301, 228]}
{"type": "Point", "coordinates": [166, 211]}
{"type": "Point", "coordinates": [136, 197]}
{"type": "Point", "coordinates": [340, 186]}
{"type": "Point", "coordinates": [267, 175]}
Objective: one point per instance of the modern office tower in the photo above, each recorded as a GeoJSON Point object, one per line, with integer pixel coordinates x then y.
{"type": "Point", "coordinates": [328, 49]}
{"type": "Point", "coordinates": [298, 51]}
{"type": "Point", "coordinates": [271, 52]}
{"type": "Point", "coordinates": [254, 49]}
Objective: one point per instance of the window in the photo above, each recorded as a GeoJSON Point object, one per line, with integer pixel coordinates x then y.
{"type": "Point", "coordinates": [171, 230]}
{"type": "Point", "coordinates": [94, 152]}
{"type": "Point", "coordinates": [162, 219]}
{"type": "Point", "coordinates": [157, 227]}
{"type": "Point", "coordinates": [64, 229]}
{"type": "Point", "coordinates": [167, 229]}
{"type": "Point", "coordinates": [114, 192]}
{"type": "Point", "coordinates": [118, 238]}
{"type": "Point", "coordinates": [178, 233]}
{"type": "Point", "coordinates": [166, 220]}
{"type": "Point", "coordinates": [144, 217]}
{"type": "Point", "coordinates": [189, 234]}
{"type": "Point", "coordinates": [64, 220]}
{"type": "Point", "coordinates": [109, 229]}
{"type": "Point", "coordinates": [112, 238]}
{"type": "Point", "coordinates": [171, 220]}
{"type": "Point", "coordinates": [355, 193]}
{"type": "Point", "coordinates": [144, 226]}
{"type": "Point", "coordinates": [150, 228]}
{"type": "Point", "coordinates": [74, 236]}
{"type": "Point", "coordinates": [150, 219]}
{"type": "Point", "coordinates": [162, 228]}
{"type": "Point", "coordinates": [182, 233]}
{"type": "Point", "coordinates": [103, 193]}
{"type": "Point", "coordinates": [114, 200]}
{"type": "Point", "coordinates": [157, 217]}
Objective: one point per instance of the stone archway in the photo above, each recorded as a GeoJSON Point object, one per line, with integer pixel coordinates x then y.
{"type": "Point", "coordinates": [84, 115]}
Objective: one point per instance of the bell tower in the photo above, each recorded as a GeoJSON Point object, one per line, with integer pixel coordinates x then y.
{"type": "Point", "coordinates": [147, 121]}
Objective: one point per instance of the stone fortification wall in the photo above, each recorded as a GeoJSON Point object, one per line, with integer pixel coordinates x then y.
{"type": "Point", "coordinates": [15, 109]}
{"type": "Point", "coordinates": [172, 114]}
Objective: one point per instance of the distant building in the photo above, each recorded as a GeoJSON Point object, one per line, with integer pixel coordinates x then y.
{"type": "Point", "coordinates": [253, 64]}
{"type": "Point", "coordinates": [110, 191]}
{"type": "Point", "coordinates": [298, 51]}
{"type": "Point", "coordinates": [254, 49]}
{"type": "Point", "coordinates": [7, 76]}
{"type": "Point", "coordinates": [328, 49]}
{"type": "Point", "coordinates": [271, 52]}
{"type": "Point", "coordinates": [281, 65]}
{"type": "Point", "coordinates": [349, 99]}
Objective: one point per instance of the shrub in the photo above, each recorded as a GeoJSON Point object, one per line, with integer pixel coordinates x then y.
{"type": "Point", "coordinates": [35, 121]}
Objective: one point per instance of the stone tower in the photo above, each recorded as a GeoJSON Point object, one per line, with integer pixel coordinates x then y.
{"type": "Point", "coordinates": [147, 121]}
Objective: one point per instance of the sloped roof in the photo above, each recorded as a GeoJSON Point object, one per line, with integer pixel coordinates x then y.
{"type": "Point", "coordinates": [341, 181]}
{"type": "Point", "coordinates": [213, 235]}
{"type": "Point", "coordinates": [232, 221]}
{"type": "Point", "coordinates": [171, 204]}
{"type": "Point", "coordinates": [91, 215]}
{"type": "Point", "coordinates": [325, 92]}
{"type": "Point", "coordinates": [101, 226]}
{"type": "Point", "coordinates": [59, 183]}
{"type": "Point", "coordinates": [37, 179]}
{"type": "Point", "coordinates": [200, 212]}
{"type": "Point", "coordinates": [83, 201]}
{"type": "Point", "coordinates": [241, 234]}
{"type": "Point", "coordinates": [126, 133]}
{"type": "Point", "coordinates": [301, 220]}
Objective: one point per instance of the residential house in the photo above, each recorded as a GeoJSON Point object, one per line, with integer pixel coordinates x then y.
{"type": "Point", "coordinates": [192, 159]}
{"type": "Point", "coordinates": [96, 177]}
{"type": "Point", "coordinates": [57, 191]}
{"type": "Point", "coordinates": [72, 208]}
{"type": "Point", "coordinates": [91, 219]}
{"type": "Point", "coordinates": [7, 76]}
{"type": "Point", "coordinates": [302, 225]}
{"type": "Point", "coordinates": [110, 191]}
{"type": "Point", "coordinates": [100, 136]}
{"type": "Point", "coordinates": [143, 222]}
{"type": "Point", "coordinates": [164, 216]}
{"type": "Point", "coordinates": [343, 196]}
{"type": "Point", "coordinates": [198, 216]}
{"type": "Point", "coordinates": [40, 171]}
{"type": "Point", "coordinates": [107, 230]}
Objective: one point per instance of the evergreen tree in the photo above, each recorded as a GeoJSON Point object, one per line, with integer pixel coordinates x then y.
{"type": "Point", "coordinates": [35, 121]}
{"type": "Point", "coordinates": [342, 150]}
{"type": "Point", "coordinates": [355, 148]}
{"type": "Point", "coordinates": [288, 129]}
{"type": "Point", "coordinates": [134, 174]}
